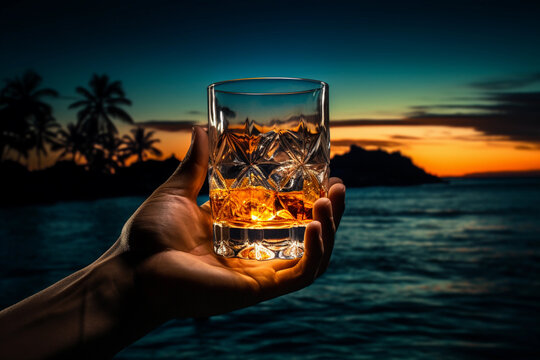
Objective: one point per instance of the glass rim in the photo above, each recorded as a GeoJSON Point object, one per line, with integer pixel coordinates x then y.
{"type": "Point", "coordinates": [321, 85]}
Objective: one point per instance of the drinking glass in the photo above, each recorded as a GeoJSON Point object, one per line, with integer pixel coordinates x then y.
{"type": "Point", "coordinates": [269, 163]}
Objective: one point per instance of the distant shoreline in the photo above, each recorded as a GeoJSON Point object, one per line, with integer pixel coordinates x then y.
{"type": "Point", "coordinates": [504, 174]}
{"type": "Point", "coordinates": [67, 180]}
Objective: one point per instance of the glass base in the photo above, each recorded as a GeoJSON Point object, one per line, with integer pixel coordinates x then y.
{"type": "Point", "coordinates": [260, 243]}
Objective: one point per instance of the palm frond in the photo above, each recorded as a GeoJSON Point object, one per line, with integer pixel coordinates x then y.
{"type": "Point", "coordinates": [84, 92]}
{"type": "Point", "coordinates": [155, 151]}
{"type": "Point", "coordinates": [110, 128]}
{"type": "Point", "coordinates": [149, 135]}
{"type": "Point", "coordinates": [84, 115]}
{"type": "Point", "coordinates": [62, 154]}
{"type": "Point", "coordinates": [115, 88]}
{"type": "Point", "coordinates": [120, 114]}
{"type": "Point", "coordinates": [78, 103]}
{"type": "Point", "coordinates": [99, 84]}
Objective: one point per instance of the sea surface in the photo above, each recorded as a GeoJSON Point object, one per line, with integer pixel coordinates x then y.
{"type": "Point", "coordinates": [445, 271]}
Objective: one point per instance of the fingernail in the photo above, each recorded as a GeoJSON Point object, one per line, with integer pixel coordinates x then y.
{"type": "Point", "coordinates": [193, 134]}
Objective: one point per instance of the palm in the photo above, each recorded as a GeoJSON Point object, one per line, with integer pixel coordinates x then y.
{"type": "Point", "coordinates": [100, 104]}
{"type": "Point", "coordinates": [140, 143]}
{"type": "Point", "coordinates": [183, 242]}
{"type": "Point", "coordinates": [177, 267]}
{"type": "Point", "coordinates": [45, 133]}
{"type": "Point", "coordinates": [26, 118]}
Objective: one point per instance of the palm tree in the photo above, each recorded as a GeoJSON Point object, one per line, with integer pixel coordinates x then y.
{"type": "Point", "coordinates": [141, 143]}
{"type": "Point", "coordinates": [43, 128]}
{"type": "Point", "coordinates": [106, 156]}
{"type": "Point", "coordinates": [100, 104]}
{"type": "Point", "coordinates": [71, 141]}
{"type": "Point", "coordinates": [20, 105]}
{"type": "Point", "coordinates": [21, 144]}
{"type": "Point", "coordinates": [113, 150]}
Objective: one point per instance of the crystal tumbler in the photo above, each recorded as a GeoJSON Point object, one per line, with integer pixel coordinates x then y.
{"type": "Point", "coordinates": [269, 163]}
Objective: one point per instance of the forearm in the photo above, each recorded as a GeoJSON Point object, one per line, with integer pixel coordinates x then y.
{"type": "Point", "coordinates": [90, 314]}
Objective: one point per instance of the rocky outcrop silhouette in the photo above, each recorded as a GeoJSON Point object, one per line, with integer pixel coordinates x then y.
{"type": "Point", "coordinates": [360, 167]}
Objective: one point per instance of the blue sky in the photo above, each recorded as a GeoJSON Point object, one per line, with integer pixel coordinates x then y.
{"type": "Point", "coordinates": [380, 59]}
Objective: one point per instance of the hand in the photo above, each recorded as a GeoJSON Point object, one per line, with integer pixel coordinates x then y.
{"type": "Point", "coordinates": [177, 272]}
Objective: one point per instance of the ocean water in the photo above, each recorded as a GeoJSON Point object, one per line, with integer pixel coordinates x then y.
{"type": "Point", "coordinates": [445, 271]}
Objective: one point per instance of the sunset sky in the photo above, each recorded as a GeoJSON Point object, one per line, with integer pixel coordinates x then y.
{"type": "Point", "coordinates": [453, 85]}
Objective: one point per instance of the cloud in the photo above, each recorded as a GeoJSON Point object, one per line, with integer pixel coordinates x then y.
{"type": "Point", "coordinates": [405, 137]}
{"type": "Point", "coordinates": [506, 115]}
{"type": "Point", "coordinates": [506, 83]}
{"type": "Point", "coordinates": [501, 115]}
{"type": "Point", "coordinates": [168, 125]}
{"type": "Point", "coordinates": [368, 122]}
{"type": "Point", "coordinates": [497, 102]}
{"type": "Point", "coordinates": [527, 147]}
{"type": "Point", "coordinates": [419, 109]}
{"type": "Point", "coordinates": [364, 142]}
{"type": "Point", "coordinates": [512, 115]}
{"type": "Point", "coordinates": [195, 112]}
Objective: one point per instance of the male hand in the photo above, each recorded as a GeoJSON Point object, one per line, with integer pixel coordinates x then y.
{"type": "Point", "coordinates": [177, 272]}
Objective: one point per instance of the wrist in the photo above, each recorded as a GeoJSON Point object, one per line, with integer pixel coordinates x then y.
{"type": "Point", "coordinates": [118, 297]}
{"type": "Point", "coordinates": [113, 285]}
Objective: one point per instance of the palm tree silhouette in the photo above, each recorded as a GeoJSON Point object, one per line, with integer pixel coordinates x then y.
{"type": "Point", "coordinates": [140, 144]}
{"type": "Point", "coordinates": [113, 152]}
{"type": "Point", "coordinates": [43, 128]}
{"type": "Point", "coordinates": [72, 141]}
{"type": "Point", "coordinates": [20, 143]}
{"type": "Point", "coordinates": [21, 106]}
{"type": "Point", "coordinates": [100, 104]}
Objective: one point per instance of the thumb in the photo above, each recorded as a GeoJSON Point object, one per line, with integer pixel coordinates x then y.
{"type": "Point", "coordinates": [189, 177]}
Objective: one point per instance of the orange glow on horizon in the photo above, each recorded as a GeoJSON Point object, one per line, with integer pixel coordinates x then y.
{"type": "Point", "coordinates": [460, 158]}
{"type": "Point", "coordinates": [442, 151]}
{"type": "Point", "coordinates": [173, 142]}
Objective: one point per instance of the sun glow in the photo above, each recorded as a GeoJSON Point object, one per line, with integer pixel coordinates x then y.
{"type": "Point", "coordinates": [443, 151]}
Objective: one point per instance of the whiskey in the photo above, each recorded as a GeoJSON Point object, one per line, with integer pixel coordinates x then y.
{"type": "Point", "coordinates": [258, 207]}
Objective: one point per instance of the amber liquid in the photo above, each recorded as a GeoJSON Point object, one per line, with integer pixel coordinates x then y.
{"type": "Point", "coordinates": [258, 207]}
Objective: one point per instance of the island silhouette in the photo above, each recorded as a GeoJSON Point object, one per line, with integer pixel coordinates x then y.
{"type": "Point", "coordinates": [360, 167]}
